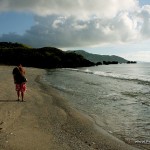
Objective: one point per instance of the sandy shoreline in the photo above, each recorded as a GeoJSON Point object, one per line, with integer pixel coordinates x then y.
{"type": "Point", "coordinates": [45, 121]}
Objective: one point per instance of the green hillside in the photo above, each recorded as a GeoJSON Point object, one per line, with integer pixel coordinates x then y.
{"type": "Point", "coordinates": [46, 57]}
{"type": "Point", "coordinates": [6, 45]}
{"type": "Point", "coordinates": [100, 58]}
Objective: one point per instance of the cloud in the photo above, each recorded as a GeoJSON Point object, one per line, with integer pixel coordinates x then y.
{"type": "Point", "coordinates": [145, 20]}
{"type": "Point", "coordinates": [78, 23]}
{"type": "Point", "coordinates": [82, 8]}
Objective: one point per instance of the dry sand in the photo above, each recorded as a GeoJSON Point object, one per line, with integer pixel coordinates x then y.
{"type": "Point", "coordinates": [46, 121]}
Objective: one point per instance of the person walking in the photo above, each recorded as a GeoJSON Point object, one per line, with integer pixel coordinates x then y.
{"type": "Point", "coordinates": [19, 81]}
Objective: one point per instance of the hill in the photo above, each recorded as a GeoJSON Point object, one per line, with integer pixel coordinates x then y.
{"type": "Point", "coordinates": [46, 57]}
{"type": "Point", "coordinates": [6, 45]}
{"type": "Point", "coordinates": [100, 58]}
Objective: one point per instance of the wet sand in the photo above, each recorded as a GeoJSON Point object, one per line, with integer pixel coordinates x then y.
{"type": "Point", "coordinates": [45, 121]}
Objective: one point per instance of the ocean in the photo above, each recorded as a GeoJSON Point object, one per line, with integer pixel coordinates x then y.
{"type": "Point", "coordinates": [116, 97]}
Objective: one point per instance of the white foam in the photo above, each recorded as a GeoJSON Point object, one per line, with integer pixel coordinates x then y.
{"type": "Point", "coordinates": [114, 75]}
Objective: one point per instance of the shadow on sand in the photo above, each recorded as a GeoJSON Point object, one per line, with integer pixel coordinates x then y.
{"type": "Point", "coordinates": [8, 101]}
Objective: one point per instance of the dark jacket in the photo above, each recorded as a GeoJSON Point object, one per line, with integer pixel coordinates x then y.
{"type": "Point", "coordinates": [18, 77]}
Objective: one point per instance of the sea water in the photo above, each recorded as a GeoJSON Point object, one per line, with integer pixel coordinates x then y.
{"type": "Point", "coordinates": [117, 97]}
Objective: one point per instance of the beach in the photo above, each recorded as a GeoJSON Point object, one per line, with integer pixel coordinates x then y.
{"type": "Point", "coordinates": [45, 121]}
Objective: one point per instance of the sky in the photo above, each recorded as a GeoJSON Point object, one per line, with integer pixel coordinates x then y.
{"type": "Point", "coordinates": [112, 27]}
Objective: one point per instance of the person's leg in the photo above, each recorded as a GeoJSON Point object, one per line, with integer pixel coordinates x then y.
{"type": "Point", "coordinates": [23, 89]}
{"type": "Point", "coordinates": [18, 90]}
{"type": "Point", "coordinates": [18, 94]}
{"type": "Point", "coordinates": [22, 96]}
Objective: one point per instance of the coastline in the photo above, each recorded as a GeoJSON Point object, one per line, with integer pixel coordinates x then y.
{"type": "Point", "coordinates": [46, 121]}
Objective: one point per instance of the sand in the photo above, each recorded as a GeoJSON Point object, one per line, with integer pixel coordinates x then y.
{"type": "Point", "coordinates": [45, 121]}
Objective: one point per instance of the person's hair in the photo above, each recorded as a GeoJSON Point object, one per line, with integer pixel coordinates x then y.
{"type": "Point", "coordinates": [21, 69]}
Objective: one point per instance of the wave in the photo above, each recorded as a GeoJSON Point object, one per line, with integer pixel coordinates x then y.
{"type": "Point", "coordinates": [142, 78]}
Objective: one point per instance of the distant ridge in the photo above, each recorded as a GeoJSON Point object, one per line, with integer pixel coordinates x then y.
{"type": "Point", "coordinates": [100, 58]}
